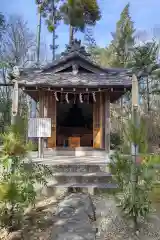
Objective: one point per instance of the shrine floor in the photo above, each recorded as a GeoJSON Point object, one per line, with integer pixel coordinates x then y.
{"type": "Point", "coordinates": [69, 156]}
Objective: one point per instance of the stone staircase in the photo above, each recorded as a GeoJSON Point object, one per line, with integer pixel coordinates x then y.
{"type": "Point", "coordinates": [85, 173]}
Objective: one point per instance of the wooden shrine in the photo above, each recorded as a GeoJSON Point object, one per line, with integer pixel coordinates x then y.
{"type": "Point", "coordinates": [75, 94]}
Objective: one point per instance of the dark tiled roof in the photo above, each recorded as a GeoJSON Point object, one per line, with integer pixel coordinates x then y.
{"type": "Point", "coordinates": [52, 75]}
{"type": "Point", "coordinates": [81, 79]}
{"type": "Point", "coordinates": [75, 54]}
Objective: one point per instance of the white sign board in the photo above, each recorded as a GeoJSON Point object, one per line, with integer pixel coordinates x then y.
{"type": "Point", "coordinates": [39, 127]}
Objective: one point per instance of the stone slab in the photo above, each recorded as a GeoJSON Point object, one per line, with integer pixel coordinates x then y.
{"type": "Point", "coordinates": [74, 219]}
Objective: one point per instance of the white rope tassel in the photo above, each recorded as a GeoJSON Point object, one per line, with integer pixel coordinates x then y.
{"type": "Point", "coordinates": [56, 97]}
{"type": "Point", "coordinates": [66, 96]}
{"type": "Point", "coordinates": [15, 99]}
{"type": "Point", "coordinates": [80, 98]}
{"type": "Point", "coordinates": [94, 96]}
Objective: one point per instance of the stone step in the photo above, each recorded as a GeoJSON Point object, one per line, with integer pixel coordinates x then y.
{"type": "Point", "coordinates": [52, 187]}
{"type": "Point", "coordinates": [84, 185]}
{"type": "Point", "coordinates": [82, 177]}
{"type": "Point", "coordinates": [83, 168]}
{"type": "Point", "coordinates": [70, 162]}
{"type": "Point", "coordinates": [83, 174]}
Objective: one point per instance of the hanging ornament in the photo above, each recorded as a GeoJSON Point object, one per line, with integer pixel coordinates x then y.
{"type": "Point", "coordinates": [80, 98]}
{"type": "Point", "coordinates": [56, 97]}
{"type": "Point", "coordinates": [66, 97]}
{"type": "Point", "coordinates": [94, 96]}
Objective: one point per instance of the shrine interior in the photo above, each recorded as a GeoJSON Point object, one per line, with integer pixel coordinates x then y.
{"type": "Point", "coordinates": [75, 122]}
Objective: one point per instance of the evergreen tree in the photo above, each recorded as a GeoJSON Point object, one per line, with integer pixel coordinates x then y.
{"type": "Point", "coordinates": [118, 53]}
{"type": "Point", "coordinates": [75, 13]}
{"type": "Point", "coordinates": [48, 10]}
{"type": "Point", "coordinates": [123, 39]}
{"type": "Point", "coordinates": [78, 14]}
{"type": "Point", "coordinates": [144, 60]}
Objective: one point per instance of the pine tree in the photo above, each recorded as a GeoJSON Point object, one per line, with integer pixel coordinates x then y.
{"type": "Point", "coordinates": [78, 14]}
{"type": "Point", "coordinates": [75, 13]}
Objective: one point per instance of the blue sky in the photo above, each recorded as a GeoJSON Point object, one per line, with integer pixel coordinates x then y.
{"type": "Point", "coordinates": [145, 14]}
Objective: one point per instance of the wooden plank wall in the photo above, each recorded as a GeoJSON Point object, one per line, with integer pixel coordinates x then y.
{"type": "Point", "coordinates": [52, 115]}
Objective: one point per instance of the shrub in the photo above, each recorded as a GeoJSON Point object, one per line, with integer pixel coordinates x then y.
{"type": "Point", "coordinates": [135, 179]}
{"type": "Point", "coordinates": [115, 140]}
{"type": "Point", "coordinates": [18, 178]}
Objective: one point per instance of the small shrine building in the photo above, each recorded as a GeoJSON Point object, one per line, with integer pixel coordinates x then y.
{"type": "Point", "coordinates": [75, 93]}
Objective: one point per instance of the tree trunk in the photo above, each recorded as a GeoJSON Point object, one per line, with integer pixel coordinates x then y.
{"type": "Point", "coordinates": [33, 103]}
{"type": "Point", "coordinates": [53, 34]}
{"type": "Point", "coordinates": [71, 34]}
{"type": "Point", "coordinates": [38, 36]}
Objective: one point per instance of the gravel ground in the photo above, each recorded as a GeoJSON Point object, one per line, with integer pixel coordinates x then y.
{"type": "Point", "coordinates": [111, 225]}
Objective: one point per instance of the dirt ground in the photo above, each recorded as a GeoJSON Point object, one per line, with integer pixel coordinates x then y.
{"type": "Point", "coordinates": [38, 223]}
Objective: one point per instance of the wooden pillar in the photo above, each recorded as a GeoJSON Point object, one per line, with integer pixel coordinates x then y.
{"type": "Point", "coordinates": [96, 123]}
{"type": "Point", "coordinates": [46, 99]}
{"type": "Point", "coordinates": [41, 115]}
{"type": "Point", "coordinates": [107, 123]}
{"type": "Point", "coordinates": [102, 116]}
{"type": "Point", "coordinates": [53, 116]}
{"type": "Point", "coordinates": [100, 119]}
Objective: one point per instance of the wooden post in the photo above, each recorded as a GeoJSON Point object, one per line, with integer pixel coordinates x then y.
{"type": "Point", "coordinates": [46, 99]}
{"type": "Point", "coordinates": [101, 112]}
{"type": "Point", "coordinates": [53, 116]}
{"type": "Point", "coordinates": [107, 123]}
{"type": "Point", "coordinates": [41, 115]}
{"type": "Point", "coordinates": [96, 123]}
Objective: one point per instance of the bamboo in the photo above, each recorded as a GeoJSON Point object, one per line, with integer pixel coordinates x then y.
{"type": "Point", "coordinates": [134, 146]}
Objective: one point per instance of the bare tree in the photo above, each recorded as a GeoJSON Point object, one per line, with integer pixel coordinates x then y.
{"type": "Point", "coordinates": [19, 42]}
{"type": "Point", "coordinates": [18, 47]}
